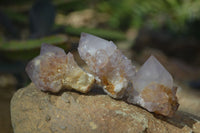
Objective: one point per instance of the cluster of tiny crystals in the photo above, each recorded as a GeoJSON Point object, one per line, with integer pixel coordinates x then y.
{"type": "Point", "coordinates": [53, 70]}
{"type": "Point", "coordinates": [111, 68]}
{"type": "Point", "coordinates": [151, 87]}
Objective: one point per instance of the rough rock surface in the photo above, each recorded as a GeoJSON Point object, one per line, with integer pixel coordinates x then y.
{"type": "Point", "coordinates": [35, 111]}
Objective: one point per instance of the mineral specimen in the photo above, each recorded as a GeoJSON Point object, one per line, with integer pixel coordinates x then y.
{"type": "Point", "coordinates": [153, 89]}
{"type": "Point", "coordinates": [53, 70]}
{"type": "Point", "coordinates": [110, 67]}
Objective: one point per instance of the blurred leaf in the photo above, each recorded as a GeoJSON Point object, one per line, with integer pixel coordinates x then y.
{"type": "Point", "coordinates": [71, 5]}
{"type": "Point", "coordinates": [30, 44]}
{"type": "Point", "coordinates": [173, 14]}
{"type": "Point", "coordinates": [27, 49]}
{"type": "Point", "coordinates": [108, 34]}
{"type": "Point", "coordinates": [19, 17]}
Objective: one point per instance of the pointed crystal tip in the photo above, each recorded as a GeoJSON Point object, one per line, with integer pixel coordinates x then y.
{"type": "Point", "coordinates": [153, 89]}
{"type": "Point", "coordinates": [152, 72]}
{"type": "Point", "coordinates": [109, 65]}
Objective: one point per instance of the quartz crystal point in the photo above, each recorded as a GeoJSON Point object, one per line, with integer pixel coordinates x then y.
{"type": "Point", "coordinates": [53, 70]}
{"type": "Point", "coordinates": [153, 89]}
{"type": "Point", "coordinates": [111, 68]}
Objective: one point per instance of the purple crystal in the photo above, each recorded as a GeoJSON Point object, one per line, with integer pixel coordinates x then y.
{"type": "Point", "coordinates": [53, 70]}
{"type": "Point", "coordinates": [111, 68]}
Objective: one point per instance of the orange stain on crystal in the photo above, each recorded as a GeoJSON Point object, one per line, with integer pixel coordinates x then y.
{"type": "Point", "coordinates": [109, 85]}
{"type": "Point", "coordinates": [163, 97]}
{"type": "Point", "coordinates": [49, 68]}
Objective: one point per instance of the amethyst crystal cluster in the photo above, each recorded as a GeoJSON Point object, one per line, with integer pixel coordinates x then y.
{"type": "Point", "coordinates": [53, 70]}
{"type": "Point", "coordinates": [150, 87]}
{"type": "Point", "coordinates": [110, 67]}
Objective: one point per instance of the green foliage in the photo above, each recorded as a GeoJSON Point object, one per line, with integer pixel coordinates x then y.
{"type": "Point", "coordinates": [129, 13]}
{"type": "Point", "coordinates": [155, 13]}
{"type": "Point", "coordinates": [108, 34]}
{"type": "Point", "coordinates": [172, 14]}
{"type": "Point", "coordinates": [27, 49]}
{"type": "Point", "coordinates": [31, 44]}
{"type": "Point", "coordinates": [18, 17]}
{"type": "Point", "coordinates": [72, 5]}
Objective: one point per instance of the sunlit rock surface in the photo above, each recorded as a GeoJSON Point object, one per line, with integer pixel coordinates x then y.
{"type": "Point", "coordinates": [111, 68]}
{"type": "Point", "coordinates": [153, 89]}
{"type": "Point", "coordinates": [69, 112]}
{"type": "Point", "coordinates": [53, 70]}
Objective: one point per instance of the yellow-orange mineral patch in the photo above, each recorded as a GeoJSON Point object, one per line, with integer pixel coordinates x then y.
{"type": "Point", "coordinates": [163, 99]}
{"type": "Point", "coordinates": [108, 84]}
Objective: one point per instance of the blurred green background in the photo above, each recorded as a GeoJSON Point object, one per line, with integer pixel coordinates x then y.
{"type": "Point", "coordinates": [169, 29]}
{"type": "Point", "coordinates": [163, 19]}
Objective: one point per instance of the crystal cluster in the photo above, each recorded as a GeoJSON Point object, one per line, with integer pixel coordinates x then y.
{"type": "Point", "coordinates": [53, 70]}
{"type": "Point", "coordinates": [110, 67]}
{"type": "Point", "coordinates": [151, 87]}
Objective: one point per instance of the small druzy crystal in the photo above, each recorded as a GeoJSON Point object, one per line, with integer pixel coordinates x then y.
{"type": "Point", "coordinates": [153, 89]}
{"type": "Point", "coordinates": [53, 70]}
{"type": "Point", "coordinates": [111, 68]}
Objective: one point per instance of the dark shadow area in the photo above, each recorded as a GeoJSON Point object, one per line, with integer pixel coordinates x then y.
{"type": "Point", "coordinates": [182, 47]}
{"type": "Point", "coordinates": [95, 90]}
{"type": "Point", "coordinates": [180, 119]}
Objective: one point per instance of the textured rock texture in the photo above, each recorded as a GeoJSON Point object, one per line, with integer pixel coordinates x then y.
{"type": "Point", "coordinates": [34, 111]}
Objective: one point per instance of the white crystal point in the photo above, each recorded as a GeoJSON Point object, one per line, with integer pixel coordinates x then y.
{"type": "Point", "coordinates": [53, 70]}
{"type": "Point", "coordinates": [48, 49]}
{"type": "Point", "coordinates": [153, 89]}
{"type": "Point", "coordinates": [152, 72]}
{"type": "Point", "coordinates": [95, 51]}
{"type": "Point", "coordinates": [92, 44]}
{"type": "Point", "coordinates": [111, 68]}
